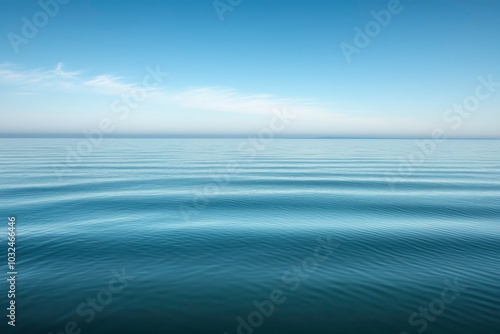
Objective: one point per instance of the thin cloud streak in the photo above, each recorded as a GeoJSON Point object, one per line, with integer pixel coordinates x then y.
{"type": "Point", "coordinates": [219, 99]}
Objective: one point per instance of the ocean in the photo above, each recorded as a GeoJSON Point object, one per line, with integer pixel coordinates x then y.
{"type": "Point", "coordinates": [172, 235]}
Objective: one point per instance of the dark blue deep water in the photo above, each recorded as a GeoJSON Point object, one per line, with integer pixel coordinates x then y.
{"type": "Point", "coordinates": [225, 236]}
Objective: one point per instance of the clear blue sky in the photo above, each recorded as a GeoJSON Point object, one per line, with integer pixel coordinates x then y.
{"type": "Point", "coordinates": [227, 76]}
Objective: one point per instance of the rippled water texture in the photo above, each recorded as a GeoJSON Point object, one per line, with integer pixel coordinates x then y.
{"type": "Point", "coordinates": [301, 236]}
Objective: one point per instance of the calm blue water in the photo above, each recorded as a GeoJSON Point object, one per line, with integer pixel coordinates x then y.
{"type": "Point", "coordinates": [340, 233]}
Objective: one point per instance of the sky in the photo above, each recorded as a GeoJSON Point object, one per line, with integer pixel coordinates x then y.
{"type": "Point", "coordinates": [347, 68]}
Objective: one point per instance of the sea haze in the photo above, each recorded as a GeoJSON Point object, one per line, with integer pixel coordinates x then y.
{"type": "Point", "coordinates": [351, 236]}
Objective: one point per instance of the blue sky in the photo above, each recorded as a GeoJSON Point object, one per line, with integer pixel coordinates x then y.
{"type": "Point", "coordinates": [230, 76]}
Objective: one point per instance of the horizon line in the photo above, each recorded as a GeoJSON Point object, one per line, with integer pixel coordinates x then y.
{"type": "Point", "coordinates": [230, 136]}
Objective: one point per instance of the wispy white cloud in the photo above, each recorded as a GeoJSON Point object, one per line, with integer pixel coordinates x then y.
{"type": "Point", "coordinates": [13, 75]}
{"type": "Point", "coordinates": [206, 107]}
{"type": "Point", "coordinates": [219, 99]}
{"type": "Point", "coordinates": [108, 84]}
{"type": "Point", "coordinates": [225, 99]}
{"type": "Point", "coordinates": [58, 78]}
{"type": "Point", "coordinates": [59, 72]}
